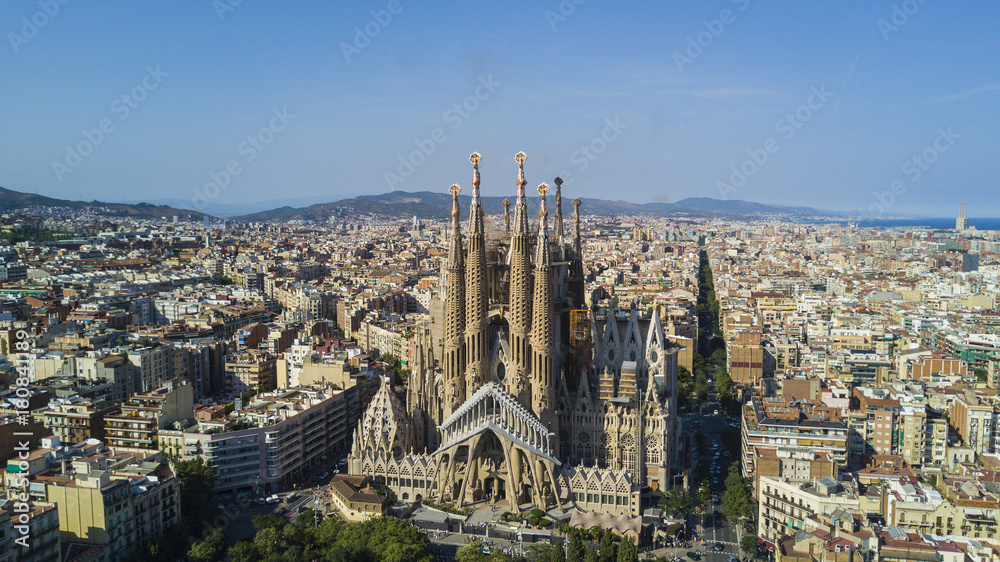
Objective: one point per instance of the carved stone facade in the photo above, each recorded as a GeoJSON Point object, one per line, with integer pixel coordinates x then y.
{"type": "Point", "coordinates": [528, 398]}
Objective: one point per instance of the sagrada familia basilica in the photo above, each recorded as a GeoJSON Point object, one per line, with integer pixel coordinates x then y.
{"type": "Point", "coordinates": [519, 392]}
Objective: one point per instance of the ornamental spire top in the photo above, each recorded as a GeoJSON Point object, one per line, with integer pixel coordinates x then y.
{"type": "Point", "coordinates": [521, 182]}
{"type": "Point", "coordinates": [543, 213]}
{"type": "Point", "coordinates": [475, 158]}
{"type": "Point", "coordinates": [455, 189]}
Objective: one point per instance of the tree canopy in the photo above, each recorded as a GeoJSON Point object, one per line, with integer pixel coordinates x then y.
{"type": "Point", "coordinates": [374, 540]}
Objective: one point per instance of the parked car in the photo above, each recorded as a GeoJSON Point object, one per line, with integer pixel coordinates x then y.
{"type": "Point", "coordinates": [718, 547]}
{"type": "Point", "coordinates": [693, 555]}
{"type": "Point", "coordinates": [282, 510]}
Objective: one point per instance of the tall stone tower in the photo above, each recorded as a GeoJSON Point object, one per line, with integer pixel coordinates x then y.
{"type": "Point", "coordinates": [476, 291]}
{"type": "Point", "coordinates": [454, 314]}
{"type": "Point", "coordinates": [520, 289]}
{"type": "Point", "coordinates": [542, 323]}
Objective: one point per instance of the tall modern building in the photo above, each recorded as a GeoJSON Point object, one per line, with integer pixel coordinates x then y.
{"type": "Point", "coordinates": [521, 393]}
{"type": "Point", "coordinates": [962, 222]}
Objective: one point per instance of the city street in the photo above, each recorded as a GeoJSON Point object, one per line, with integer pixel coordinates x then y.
{"type": "Point", "coordinates": [716, 530]}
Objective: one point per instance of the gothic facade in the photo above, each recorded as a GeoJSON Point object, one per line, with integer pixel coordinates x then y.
{"type": "Point", "coordinates": [520, 393]}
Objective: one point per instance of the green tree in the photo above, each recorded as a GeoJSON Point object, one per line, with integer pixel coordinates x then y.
{"type": "Point", "coordinates": [557, 553]}
{"type": "Point", "coordinates": [539, 552]}
{"type": "Point", "coordinates": [981, 374]}
{"type": "Point", "coordinates": [243, 551]}
{"type": "Point", "coordinates": [590, 555]}
{"type": "Point", "coordinates": [627, 551]}
{"type": "Point", "coordinates": [270, 542]}
{"type": "Point", "coordinates": [703, 494]}
{"type": "Point", "coordinates": [575, 552]}
{"type": "Point", "coordinates": [212, 549]}
{"type": "Point", "coordinates": [676, 502]}
{"type": "Point", "coordinates": [718, 357]}
{"type": "Point", "coordinates": [737, 503]}
{"type": "Point", "coordinates": [267, 521]}
{"type": "Point", "coordinates": [472, 552]}
{"type": "Point", "coordinates": [749, 546]}
{"type": "Point", "coordinates": [385, 538]}
{"type": "Point", "coordinates": [196, 480]}
{"type": "Point", "coordinates": [609, 550]}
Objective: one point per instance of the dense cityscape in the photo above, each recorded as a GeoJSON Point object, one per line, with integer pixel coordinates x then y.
{"type": "Point", "coordinates": [718, 387]}
{"type": "Point", "coordinates": [558, 281]}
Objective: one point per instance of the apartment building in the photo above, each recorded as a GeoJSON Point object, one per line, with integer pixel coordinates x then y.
{"type": "Point", "coordinates": [975, 420]}
{"type": "Point", "coordinates": [43, 538]}
{"type": "Point", "coordinates": [787, 507]}
{"type": "Point", "coordinates": [156, 366]}
{"type": "Point", "coordinates": [136, 425]}
{"type": "Point", "coordinates": [746, 358]}
{"type": "Point", "coordinates": [77, 420]}
{"type": "Point", "coordinates": [250, 371]}
{"type": "Point", "coordinates": [270, 442]}
{"type": "Point", "coordinates": [798, 430]}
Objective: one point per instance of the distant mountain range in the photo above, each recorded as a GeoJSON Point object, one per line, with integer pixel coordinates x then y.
{"type": "Point", "coordinates": [429, 205]}
{"type": "Point", "coordinates": [13, 200]}
{"type": "Point", "coordinates": [422, 204]}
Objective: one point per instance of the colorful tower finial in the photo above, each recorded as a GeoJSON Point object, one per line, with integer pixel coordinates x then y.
{"type": "Point", "coordinates": [475, 158]}
{"type": "Point", "coordinates": [521, 182]}
{"type": "Point", "coordinates": [455, 189]}
{"type": "Point", "coordinates": [543, 213]}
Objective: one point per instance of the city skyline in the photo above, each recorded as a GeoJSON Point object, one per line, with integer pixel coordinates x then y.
{"type": "Point", "coordinates": [884, 109]}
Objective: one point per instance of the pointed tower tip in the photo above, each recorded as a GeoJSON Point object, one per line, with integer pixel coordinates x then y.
{"type": "Point", "coordinates": [455, 189]}
{"type": "Point", "coordinates": [475, 158]}
{"type": "Point", "coordinates": [543, 212]}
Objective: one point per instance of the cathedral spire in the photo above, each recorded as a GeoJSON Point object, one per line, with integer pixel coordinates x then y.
{"type": "Point", "coordinates": [542, 246]}
{"type": "Point", "coordinates": [520, 287]}
{"type": "Point", "coordinates": [455, 247]}
{"type": "Point", "coordinates": [454, 360]}
{"type": "Point", "coordinates": [559, 215]}
{"type": "Point", "coordinates": [543, 382]}
{"type": "Point", "coordinates": [521, 207]}
{"type": "Point", "coordinates": [576, 228]}
{"type": "Point", "coordinates": [475, 291]}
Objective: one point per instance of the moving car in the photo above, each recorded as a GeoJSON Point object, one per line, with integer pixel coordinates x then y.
{"type": "Point", "coordinates": [718, 547]}
{"type": "Point", "coordinates": [693, 555]}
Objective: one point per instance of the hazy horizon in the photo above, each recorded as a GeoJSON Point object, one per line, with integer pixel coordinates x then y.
{"type": "Point", "coordinates": [887, 108]}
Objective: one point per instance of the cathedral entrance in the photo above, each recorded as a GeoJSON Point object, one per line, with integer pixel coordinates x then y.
{"type": "Point", "coordinates": [495, 488]}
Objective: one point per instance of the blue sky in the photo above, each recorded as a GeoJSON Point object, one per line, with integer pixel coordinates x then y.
{"type": "Point", "coordinates": [823, 104]}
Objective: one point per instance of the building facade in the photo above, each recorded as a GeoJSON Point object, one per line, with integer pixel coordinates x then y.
{"type": "Point", "coordinates": [518, 393]}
